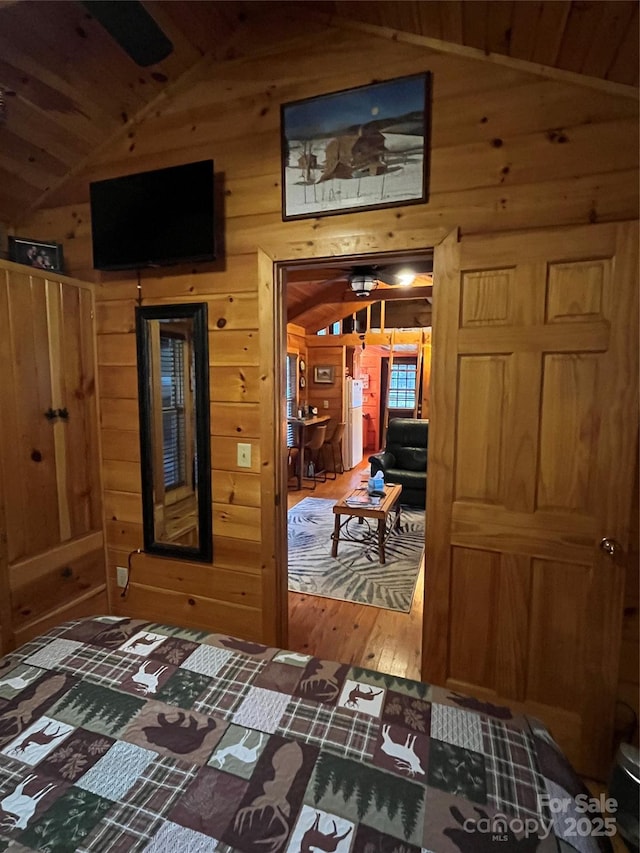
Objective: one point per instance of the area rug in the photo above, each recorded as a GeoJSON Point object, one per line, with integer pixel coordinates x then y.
{"type": "Point", "coordinates": [355, 574]}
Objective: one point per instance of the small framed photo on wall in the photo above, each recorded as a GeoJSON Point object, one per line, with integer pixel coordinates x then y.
{"type": "Point", "coordinates": [36, 253]}
{"type": "Point", "coordinates": [323, 374]}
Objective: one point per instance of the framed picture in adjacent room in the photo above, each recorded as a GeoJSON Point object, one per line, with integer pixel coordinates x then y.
{"type": "Point", "coordinates": [324, 374]}
{"type": "Point", "coordinates": [35, 253]}
{"type": "Point", "coordinates": [358, 149]}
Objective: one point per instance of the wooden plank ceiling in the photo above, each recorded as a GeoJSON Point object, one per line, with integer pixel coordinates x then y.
{"type": "Point", "coordinates": [69, 89]}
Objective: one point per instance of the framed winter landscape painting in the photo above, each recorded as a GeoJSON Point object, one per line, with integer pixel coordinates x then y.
{"type": "Point", "coordinates": [358, 149]}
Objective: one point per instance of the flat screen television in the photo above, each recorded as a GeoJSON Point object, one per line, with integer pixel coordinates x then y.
{"type": "Point", "coordinates": [156, 218]}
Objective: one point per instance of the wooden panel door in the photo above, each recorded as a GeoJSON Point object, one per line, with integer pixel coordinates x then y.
{"type": "Point", "coordinates": [49, 466]}
{"type": "Point", "coordinates": [532, 442]}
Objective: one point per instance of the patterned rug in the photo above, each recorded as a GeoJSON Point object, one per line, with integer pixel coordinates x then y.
{"type": "Point", "coordinates": [355, 574]}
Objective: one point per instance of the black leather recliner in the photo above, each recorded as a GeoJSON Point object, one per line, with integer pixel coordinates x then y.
{"type": "Point", "coordinates": [404, 459]}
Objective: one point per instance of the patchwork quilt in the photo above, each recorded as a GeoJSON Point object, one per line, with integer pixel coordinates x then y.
{"type": "Point", "coordinates": [123, 735]}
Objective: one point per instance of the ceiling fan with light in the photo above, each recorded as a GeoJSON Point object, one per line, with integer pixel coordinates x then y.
{"type": "Point", "coordinates": [365, 279]}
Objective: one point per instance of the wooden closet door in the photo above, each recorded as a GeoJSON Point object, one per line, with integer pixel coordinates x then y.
{"type": "Point", "coordinates": [49, 467]}
{"type": "Point", "coordinates": [534, 418]}
{"type": "Point", "coordinates": [28, 442]}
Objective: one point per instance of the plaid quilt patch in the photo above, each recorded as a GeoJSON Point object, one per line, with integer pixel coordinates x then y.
{"type": "Point", "coordinates": [514, 782]}
{"type": "Point", "coordinates": [348, 734]}
{"type": "Point", "coordinates": [129, 825]}
{"type": "Point", "coordinates": [226, 694]}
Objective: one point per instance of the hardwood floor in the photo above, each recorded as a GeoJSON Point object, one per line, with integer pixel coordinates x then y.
{"type": "Point", "coordinates": [379, 639]}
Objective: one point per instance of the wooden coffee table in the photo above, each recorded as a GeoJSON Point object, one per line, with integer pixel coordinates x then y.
{"type": "Point", "coordinates": [380, 513]}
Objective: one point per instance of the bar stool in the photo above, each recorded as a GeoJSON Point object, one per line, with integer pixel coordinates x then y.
{"type": "Point", "coordinates": [312, 455]}
{"type": "Point", "coordinates": [293, 460]}
{"type": "Point", "coordinates": [334, 444]}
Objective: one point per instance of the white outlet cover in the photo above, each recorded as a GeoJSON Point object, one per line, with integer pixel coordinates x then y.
{"type": "Point", "coordinates": [122, 575]}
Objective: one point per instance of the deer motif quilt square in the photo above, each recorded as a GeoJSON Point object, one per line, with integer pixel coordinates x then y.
{"type": "Point", "coordinates": [24, 798]}
{"type": "Point", "coordinates": [317, 830]}
{"type": "Point", "coordinates": [143, 643]}
{"type": "Point", "coordinates": [238, 751]}
{"type": "Point", "coordinates": [148, 677]}
{"type": "Point", "coordinates": [363, 698]}
{"type": "Point", "coordinates": [402, 751]}
{"type": "Point", "coordinates": [273, 797]}
{"type": "Point", "coordinates": [38, 740]}
{"type": "Point", "coordinates": [116, 632]}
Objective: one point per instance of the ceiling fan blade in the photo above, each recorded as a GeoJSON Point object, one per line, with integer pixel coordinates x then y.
{"type": "Point", "coordinates": [133, 28]}
{"type": "Point", "coordinates": [386, 274]}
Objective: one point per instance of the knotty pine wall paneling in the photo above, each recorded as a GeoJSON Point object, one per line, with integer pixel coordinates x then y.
{"type": "Point", "coordinates": [509, 150]}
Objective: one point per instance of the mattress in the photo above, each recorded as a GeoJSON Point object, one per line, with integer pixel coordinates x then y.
{"type": "Point", "coordinates": [119, 734]}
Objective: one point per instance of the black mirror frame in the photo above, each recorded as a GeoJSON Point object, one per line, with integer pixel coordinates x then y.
{"type": "Point", "coordinates": [197, 311]}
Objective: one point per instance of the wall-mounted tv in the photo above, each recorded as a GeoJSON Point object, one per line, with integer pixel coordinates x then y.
{"type": "Point", "coordinates": [154, 218]}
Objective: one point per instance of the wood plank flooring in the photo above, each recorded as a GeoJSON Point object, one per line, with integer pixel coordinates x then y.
{"type": "Point", "coordinates": [354, 633]}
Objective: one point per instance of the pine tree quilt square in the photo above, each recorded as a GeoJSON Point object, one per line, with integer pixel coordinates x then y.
{"type": "Point", "coordinates": [97, 708]}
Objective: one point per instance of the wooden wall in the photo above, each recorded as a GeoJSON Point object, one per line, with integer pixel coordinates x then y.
{"type": "Point", "coordinates": [510, 150]}
{"type": "Point", "coordinates": [328, 399]}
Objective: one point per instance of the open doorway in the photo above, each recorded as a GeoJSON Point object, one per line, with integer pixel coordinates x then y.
{"type": "Point", "coordinates": [328, 327]}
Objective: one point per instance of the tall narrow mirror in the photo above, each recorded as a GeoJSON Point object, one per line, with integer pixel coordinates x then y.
{"type": "Point", "coordinates": [173, 388]}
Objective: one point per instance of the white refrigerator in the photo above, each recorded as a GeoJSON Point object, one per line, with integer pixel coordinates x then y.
{"type": "Point", "coordinates": [352, 444]}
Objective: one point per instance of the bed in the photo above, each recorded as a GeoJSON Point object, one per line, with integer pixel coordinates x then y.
{"type": "Point", "coordinates": [119, 734]}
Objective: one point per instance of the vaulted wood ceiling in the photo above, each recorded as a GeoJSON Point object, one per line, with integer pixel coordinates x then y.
{"type": "Point", "coordinates": [319, 295]}
{"type": "Point", "coordinates": [70, 90]}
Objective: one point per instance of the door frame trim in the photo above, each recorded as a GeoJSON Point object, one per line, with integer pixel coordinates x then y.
{"type": "Point", "coordinates": [271, 259]}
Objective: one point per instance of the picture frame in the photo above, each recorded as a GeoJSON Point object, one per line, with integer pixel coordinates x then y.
{"type": "Point", "coordinates": [358, 149]}
{"type": "Point", "coordinates": [324, 374]}
{"type": "Point", "coordinates": [36, 253]}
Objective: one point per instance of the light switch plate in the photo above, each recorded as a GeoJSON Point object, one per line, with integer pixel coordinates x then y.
{"type": "Point", "coordinates": [244, 455]}
{"type": "Point", "coordinates": [325, 404]}
{"type": "Point", "coordinates": [122, 575]}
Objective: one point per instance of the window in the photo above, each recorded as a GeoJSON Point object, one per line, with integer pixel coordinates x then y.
{"type": "Point", "coordinates": [402, 387]}
{"type": "Point", "coordinates": [292, 394]}
{"type": "Point", "coordinates": [172, 369]}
